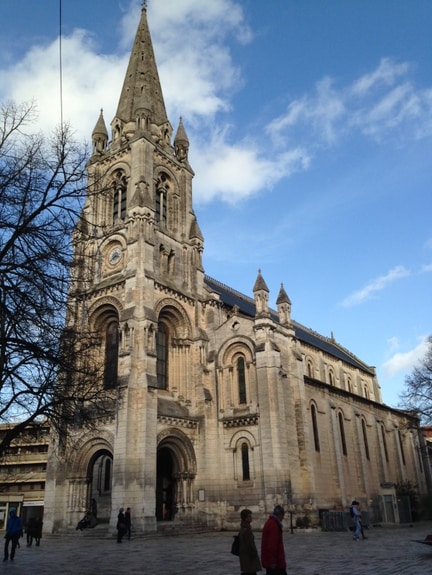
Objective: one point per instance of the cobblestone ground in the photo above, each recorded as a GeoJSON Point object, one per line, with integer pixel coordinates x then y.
{"type": "Point", "coordinates": [387, 551]}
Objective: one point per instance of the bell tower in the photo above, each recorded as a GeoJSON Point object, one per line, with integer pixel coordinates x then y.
{"type": "Point", "coordinates": [139, 207]}
{"type": "Point", "coordinates": [138, 250]}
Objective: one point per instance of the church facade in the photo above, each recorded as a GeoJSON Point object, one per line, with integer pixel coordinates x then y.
{"type": "Point", "coordinates": [220, 401]}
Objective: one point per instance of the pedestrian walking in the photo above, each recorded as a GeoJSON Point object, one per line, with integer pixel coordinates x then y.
{"type": "Point", "coordinates": [121, 525]}
{"type": "Point", "coordinates": [14, 530]}
{"type": "Point", "coordinates": [128, 523]}
{"type": "Point", "coordinates": [248, 554]}
{"type": "Point", "coordinates": [272, 546]}
{"type": "Point", "coordinates": [356, 517]}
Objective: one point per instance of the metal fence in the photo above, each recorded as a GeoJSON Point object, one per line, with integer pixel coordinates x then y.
{"type": "Point", "coordinates": [339, 520]}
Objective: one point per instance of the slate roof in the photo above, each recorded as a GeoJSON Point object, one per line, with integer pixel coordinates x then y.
{"type": "Point", "coordinates": [246, 305]}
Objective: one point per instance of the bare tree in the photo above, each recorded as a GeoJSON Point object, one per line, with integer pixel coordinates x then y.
{"type": "Point", "coordinates": [417, 395]}
{"type": "Point", "coordinates": [46, 371]}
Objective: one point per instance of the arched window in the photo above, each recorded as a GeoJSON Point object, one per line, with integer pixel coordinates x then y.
{"type": "Point", "coordinates": [107, 475]}
{"type": "Point", "coordinates": [162, 187]}
{"type": "Point", "coordinates": [384, 443]}
{"type": "Point", "coordinates": [310, 369]}
{"type": "Point", "coordinates": [111, 354]}
{"type": "Point", "coordinates": [342, 434]}
{"type": "Point", "coordinates": [365, 439]}
{"type": "Point", "coordinates": [245, 462]}
{"type": "Point", "coordinates": [366, 391]}
{"type": "Point", "coordinates": [162, 356]}
{"type": "Point", "coordinates": [349, 385]}
{"type": "Point", "coordinates": [241, 379]}
{"type": "Point", "coordinates": [120, 197]}
{"type": "Point", "coordinates": [331, 377]}
{"type": "Point", "coordinates": [315, 427]}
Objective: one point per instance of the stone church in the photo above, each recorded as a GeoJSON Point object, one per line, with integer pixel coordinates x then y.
{"type": "Point", "coordinates": [221, 401]}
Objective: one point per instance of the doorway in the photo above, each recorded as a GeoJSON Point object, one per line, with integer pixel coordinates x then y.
{"type": "Point", "coordinates": [165, 486]}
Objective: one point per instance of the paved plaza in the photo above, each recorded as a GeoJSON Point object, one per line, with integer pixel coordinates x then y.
{"type": "Point", "coordinates": [387, 551]}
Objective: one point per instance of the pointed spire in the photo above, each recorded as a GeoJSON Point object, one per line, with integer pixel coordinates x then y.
{"type": "Point", "coordinates": [283, 303]}
{"type": "Point", "coordinates": [141, 88]}
{"type": "Point", "coordinates": [260, 284]}
{"type": "Point", "coordinates": [195, 232]}
{"type": "Point", "coordinates": [100, 135]}
{"type": "Point", "coordinates": [283, 296]}
{"type": "Point", "coordinates": [261, 295]}
{"type": "Point", "coordinates": [181, 143]}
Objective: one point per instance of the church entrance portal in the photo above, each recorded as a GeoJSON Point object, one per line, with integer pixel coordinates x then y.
{"type": "Point", "coordinates": [176, 469]}
{"type": "Point", "coordinates": [165, 486]}
{"type": "Point", "coordinates": [99, 486]}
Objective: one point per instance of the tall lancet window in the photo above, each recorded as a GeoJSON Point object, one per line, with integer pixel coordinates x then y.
{"type": "Point", "coordinates": [162, 356]}
{"type": "Point", "coordinates": [111, 354]}
{"type": "Point", "coordinates": [162, 187]}
{"type": "Point", "coordinates": [245, 462]}
{"type": "Point", "coordinates": [241, 379]}
{"type": "Point", "coordinates": [119, 197]}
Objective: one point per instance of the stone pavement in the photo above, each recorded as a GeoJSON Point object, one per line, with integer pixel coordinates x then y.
{"type": "Point", "coordinates": [387, 551]}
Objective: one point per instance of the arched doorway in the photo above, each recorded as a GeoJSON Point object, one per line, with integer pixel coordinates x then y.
{"type": "Point", "coordinates": [176, 470]}
{"type": "Point", "coordinates": [165, 486]}
{"type": "Point", "coordinates": [100, 483]}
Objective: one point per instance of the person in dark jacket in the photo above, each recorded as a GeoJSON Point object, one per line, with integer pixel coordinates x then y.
{"type": "Point", "coordinates": [121, 525]}
{"type": "Point", "coordinates": [128, 523]}
{"type": "Point", "coordinates": [249, 559]}
{"type": "Point", "coordinates": [14, 530]}
{"type": "Point", "coordinates": [272, 546]}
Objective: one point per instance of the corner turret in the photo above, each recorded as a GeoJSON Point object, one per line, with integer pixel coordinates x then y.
{"type": "Point", "coordinates": [261, 295]}
{"type": "Point", "coordinates": [100, 135]}
{"type": "Point", "coordinates": [181, 143]}
{"type": "Point", "coordinates": [283, 303]}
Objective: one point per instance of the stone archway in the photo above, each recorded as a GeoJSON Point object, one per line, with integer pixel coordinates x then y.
{"type": "Point", "coordinates": [99, 475]}
{"type": "Point", "coordinates": [176, 470]}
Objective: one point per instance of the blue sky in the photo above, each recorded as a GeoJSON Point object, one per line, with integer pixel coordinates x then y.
{"type": "Point", "coordinates": [310, 125]}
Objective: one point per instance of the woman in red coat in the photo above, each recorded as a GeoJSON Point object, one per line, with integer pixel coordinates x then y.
{"type": "Point", "coordinates": [272, 546]}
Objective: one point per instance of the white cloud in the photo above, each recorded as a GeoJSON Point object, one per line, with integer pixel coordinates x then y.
{"type": "Point", "coordinates": [380, 105]}
{"type": "Point", "coordinates": [386, 74]}
{"type": "Point", "coordinates": [426, 268]}
{"type": "Point", "coordinates": [322, 111]}
{"type": "Point", "coordinates": [406, 361]}
{"type": "Point", "coordinates": [232, 172]}
{"type": "Point", "coordinates": [36, 78]}
{"type": "Point", "coordinates": [374, 286]}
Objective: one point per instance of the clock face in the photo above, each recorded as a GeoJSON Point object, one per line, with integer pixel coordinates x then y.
{"type": "Point", "coordinates": [115, 256]}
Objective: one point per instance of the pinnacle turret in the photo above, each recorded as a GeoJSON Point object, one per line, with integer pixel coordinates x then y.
{"type": "Point", "coordinates": [100, 135]}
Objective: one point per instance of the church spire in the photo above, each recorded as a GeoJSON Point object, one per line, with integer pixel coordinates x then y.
{"type": "Point", "coordinates": [141, 95]}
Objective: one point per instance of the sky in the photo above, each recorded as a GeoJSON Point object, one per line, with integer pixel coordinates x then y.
{"type": "Point", "coordinates": [310, 128]}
